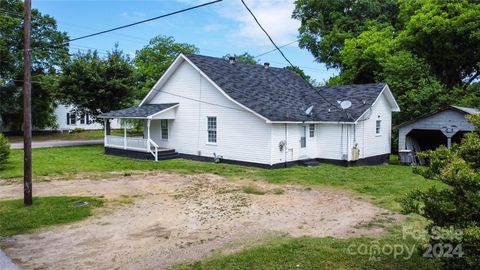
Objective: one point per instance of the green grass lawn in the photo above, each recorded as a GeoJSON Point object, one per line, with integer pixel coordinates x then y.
{"type": "Point", "coordinates": [383, 185]}
{"type": "Point", "coordinates": [317, 253]}
{"type": "Point", "coordinates": [80, 135]}
{"type": "Point", "coordinates": [45, 211]}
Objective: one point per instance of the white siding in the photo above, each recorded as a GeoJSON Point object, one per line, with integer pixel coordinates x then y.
{"type": "Point", "coordinates": [293, 150]}
{"type": "Point", "coordinates": [336, 142]}
{"type": "Point", "coordinates": [333, 141]}
{"type": "Point", "coordinates": [370, 143]}
{"type": "Point", "coordinates": [61, 118]}
{"type": "Point", "coordinates": [241, 135]}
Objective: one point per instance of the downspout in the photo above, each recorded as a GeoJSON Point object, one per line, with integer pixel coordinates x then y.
{"type": "Point", "coordinates": [285, 149]}
{"type": "Point", "coordinates": [341, 144]}
{"type": "Point", "coordinates": [199, 116]}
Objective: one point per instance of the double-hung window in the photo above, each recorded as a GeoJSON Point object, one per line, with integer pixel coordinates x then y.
{"type": "Point", "coordinates": [164, 128]}
{"type": "Point", "coordinates": [212, 129]}
{"type": "Point", "coordinates": [82, 119]}
{"type": "Point", "coordinates": [71, 118]}
{"type": "Point", "coordinates": [378, 127]}
{"type": "Point", "coordinates": [311, 130]}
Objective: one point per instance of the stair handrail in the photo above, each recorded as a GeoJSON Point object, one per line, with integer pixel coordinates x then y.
{"type": "Point", "coordinates": [155, 145]}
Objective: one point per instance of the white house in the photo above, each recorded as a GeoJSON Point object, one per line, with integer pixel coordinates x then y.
{"type": "Point", "coordinates": [69, 118]}
{"type": "Point", "coordinates": [209, 108]}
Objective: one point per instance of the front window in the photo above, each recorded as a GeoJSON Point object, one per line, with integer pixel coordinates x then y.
{"type": "Point", "coordinates": [212, 129]}
{"type": "Point", "coordinates": [378, 127]}
{"type": "Point", "coordinates": [164, 127]}
{"type": "Point", "coordinates": [312, 130]}
{"type": "Point", "coordinates": [71, 119]}
{"type": "Point", "coordinates": [82, 119]}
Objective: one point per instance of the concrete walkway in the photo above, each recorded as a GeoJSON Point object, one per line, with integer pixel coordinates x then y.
{"type": "Point", "coordinates": [56, 143]}
{"type": "Point", "coordinates": [6, 263]}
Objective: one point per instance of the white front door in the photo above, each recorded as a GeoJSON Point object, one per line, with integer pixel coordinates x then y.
{"type": "Point", "coordinates": [303, 141]}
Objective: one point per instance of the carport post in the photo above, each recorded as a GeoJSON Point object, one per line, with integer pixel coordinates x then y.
{"type": "Point", "coordinates": [449, 142]}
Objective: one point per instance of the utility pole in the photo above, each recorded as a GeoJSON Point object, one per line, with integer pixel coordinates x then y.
{"type": "Point", "coordinates": [27, 104]}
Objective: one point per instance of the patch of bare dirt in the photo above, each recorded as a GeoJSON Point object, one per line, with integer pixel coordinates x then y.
{"type": "Point", "coordinates": [180, 218]}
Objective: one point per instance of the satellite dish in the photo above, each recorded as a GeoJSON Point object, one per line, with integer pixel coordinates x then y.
{"type": "Point", "coordinates": [346, 104]}
{"type": "Point", "coordinates": [308, 111]}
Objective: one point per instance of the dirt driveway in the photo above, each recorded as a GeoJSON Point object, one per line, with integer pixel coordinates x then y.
{"type": "Point", "coordinates": [179, 218]}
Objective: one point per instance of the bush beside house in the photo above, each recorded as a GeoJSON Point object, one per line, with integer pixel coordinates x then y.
{"type": "Point", "coordinates": [4, 150]}
{"type": "Point", "coordinates": [455, 208]}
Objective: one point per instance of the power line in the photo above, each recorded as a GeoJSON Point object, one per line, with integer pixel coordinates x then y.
{"type": "Point", "coordinates": [266, 33]}
{"type": "Point", "coordinates": [144, 21]}
{"type": "Point", "coordinates": [286, 59]}
{"type": "Point", "coordinates": [285, 45]}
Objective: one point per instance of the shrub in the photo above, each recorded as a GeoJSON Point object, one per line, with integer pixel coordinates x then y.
{"type": "Point", "coordinates": [78, 130]}
{"type": "Point", "coordinates": [4, 150]}
{"type": "Point", "coordinates": [456, 206]}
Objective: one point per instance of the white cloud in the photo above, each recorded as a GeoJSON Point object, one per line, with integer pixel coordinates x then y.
{"type": "Point", "coordinates": [273, 15]}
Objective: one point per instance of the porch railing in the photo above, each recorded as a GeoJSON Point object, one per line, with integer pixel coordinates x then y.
{"type": "Point", "coordinates": [132, 143]}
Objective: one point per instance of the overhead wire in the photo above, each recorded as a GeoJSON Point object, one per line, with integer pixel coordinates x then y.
{"type": "Point", "coordinates": [144, 21]}
{"type": "Point", "coordinates": [286, 59]}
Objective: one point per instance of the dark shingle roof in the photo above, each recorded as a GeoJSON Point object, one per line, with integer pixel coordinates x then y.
{"type": "Point", "coordinates": [278, 94]}
{"type": "Point", "coordinates": [138, 111]}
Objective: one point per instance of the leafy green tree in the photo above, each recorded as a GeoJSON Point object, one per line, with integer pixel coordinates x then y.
{"type": "Point", "coordinates": [49, 49]}
{"type": "Point", "coordinates": [362, 57]}
{"type": "Point", "coordinates": [98, 85]}
{"type": "Point", "coordinates": [446, 34]}
{"type": "Point", "coordinates": [325, 25]}
{"type": "Point", "coordinates": [245, 58]}
{"type": "Point", "coordinates": [457, 204]}
{"type": "Point", "coordinates": [155, 58]}
{"type": "Point", "coordinates": [4, 150]}
{"type": "Point", "coordinates": [417, 90]}
{"type": "Point", "coordinates": [427, 50]}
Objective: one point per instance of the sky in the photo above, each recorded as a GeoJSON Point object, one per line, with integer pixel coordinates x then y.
{"type": "Point", "coordinates": [219, 29]}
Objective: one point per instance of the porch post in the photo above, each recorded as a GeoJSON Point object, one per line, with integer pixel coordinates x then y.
{"type": "Point", "coordinates": [105, 132]}
{"type": "Point", "coordinates": [148, 134]}
{"type": "Point", "coordinates": [124, 136]}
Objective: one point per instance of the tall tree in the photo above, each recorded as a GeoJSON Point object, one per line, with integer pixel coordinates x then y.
{"type": "Point", "coordinates": [326, 24]}
{"type": "Point", "coordinates": [447, 35]}
{"type": "Point", "coordinates": [427, 50]}
{"type": "Point", "coordinates": [98, 85]}
{"type": "Point", "coordinates": [155, 58]}
{"type": "Point", "coordinates": [49, 49]}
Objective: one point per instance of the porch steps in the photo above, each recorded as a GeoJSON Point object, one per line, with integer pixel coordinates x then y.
{"type": "Point", "coordinates": [166, 154]}
{"type": "Point", "coordinates": [310, 163]}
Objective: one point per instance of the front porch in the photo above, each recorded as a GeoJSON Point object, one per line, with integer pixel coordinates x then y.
{"type": "Point", "coordinates": [144, 146]}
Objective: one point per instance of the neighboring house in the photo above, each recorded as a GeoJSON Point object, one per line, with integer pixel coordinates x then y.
{"type": "Point", "coordinates": [429, 131]}
{"type": "Point", "coordinates": [68, 118]}
{"type": "Point", "coordinates": [209, 108]}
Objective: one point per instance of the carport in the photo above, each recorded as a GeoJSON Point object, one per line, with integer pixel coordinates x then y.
{"type": "Point", "coordinates": [442, 127]}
